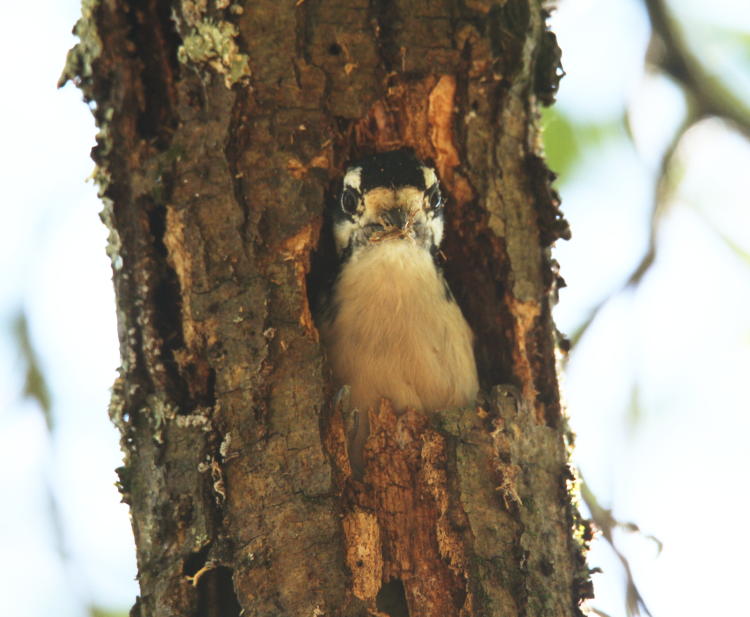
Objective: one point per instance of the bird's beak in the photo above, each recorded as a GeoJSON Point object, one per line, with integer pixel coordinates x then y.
{"type": "Point", "coordinates": [395, 217]}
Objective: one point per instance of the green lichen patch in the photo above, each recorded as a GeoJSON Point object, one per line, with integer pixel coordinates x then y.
{"type": "Point", "coordinates": [213, 43]}
{"type": "Point", "coordinates": [80, 58]}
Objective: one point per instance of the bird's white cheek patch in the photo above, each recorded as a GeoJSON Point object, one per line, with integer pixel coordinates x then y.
{"type": "Point", "coordinates": [429, 176]}
{"type": "Point", "coordinates": [353, 178]}
{"type": "Point", "coordinates": [436, 225]}
{"type": "Point", "coordinates": [342, 232]}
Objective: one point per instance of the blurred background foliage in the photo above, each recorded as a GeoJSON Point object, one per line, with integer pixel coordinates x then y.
{"type": "Point", "coordinates": [650, 141]}
{"type": "Point", "coordinates": [679, 96]}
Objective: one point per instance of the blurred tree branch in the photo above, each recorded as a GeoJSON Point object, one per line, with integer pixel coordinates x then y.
{"type": "Point", "coordinates": [670, 52]}
{"type": "Point", "coordinates": [35, 385]}
{"type": "Point", "coordinates": [706, 96]}
{"type": "Point", "coordinates": [607, 523]}
{"type": "Point", "coordinates": [661, 190]}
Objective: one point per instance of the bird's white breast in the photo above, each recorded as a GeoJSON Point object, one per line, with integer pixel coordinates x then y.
{"type": "Point", "coordinates": [395, 332]}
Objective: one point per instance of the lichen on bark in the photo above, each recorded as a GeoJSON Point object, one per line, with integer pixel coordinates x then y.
{"type": "Point", "coordinates": [212, 40]}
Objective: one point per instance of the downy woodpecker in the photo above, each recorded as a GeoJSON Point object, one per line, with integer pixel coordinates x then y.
{"type": "Point", "coordinates": [391, 326]}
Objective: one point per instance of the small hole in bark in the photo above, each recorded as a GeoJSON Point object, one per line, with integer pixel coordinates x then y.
{"type": "Point", "coordinates": [334, 49]}
{"type": "Point", "coordinates": [194, 562]}
{"type": "Point", "coordinates": [216, 595]}
{"type": "Point", "coordinates": [546, 566]}
{"type": "Point", "coordinates": [210, 393]}
{"type": "Point", "coordinates": [184, 513]}
{"type": "Point", "coordinates": [391, 599]}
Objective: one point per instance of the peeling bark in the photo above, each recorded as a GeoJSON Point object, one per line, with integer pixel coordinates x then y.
{"type": "Point", "coordinates": [223, 128]}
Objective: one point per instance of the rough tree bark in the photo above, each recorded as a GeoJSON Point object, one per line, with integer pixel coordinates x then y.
{"type": "Point", "coordinates": [222, 129]}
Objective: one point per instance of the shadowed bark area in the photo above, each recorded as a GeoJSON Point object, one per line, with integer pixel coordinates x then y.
{"type": "Point", "coordinates": [223, 128]}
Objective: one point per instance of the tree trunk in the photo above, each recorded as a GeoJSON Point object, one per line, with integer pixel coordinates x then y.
{"type": "Point", "coordinates": [222, 130]}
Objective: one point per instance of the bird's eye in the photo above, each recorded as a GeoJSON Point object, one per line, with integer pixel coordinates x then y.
{"type": "Point", "coordinates": [349, 200]}
{"type": "Point", "coordinates": [434, 198]}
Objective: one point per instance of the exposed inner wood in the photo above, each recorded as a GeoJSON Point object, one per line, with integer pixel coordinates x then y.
{"type": "Point", "coordinates": [397, 520]}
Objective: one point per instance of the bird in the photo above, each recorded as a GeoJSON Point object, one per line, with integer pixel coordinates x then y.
{"type": "Point", "coordinates": [391, 327]}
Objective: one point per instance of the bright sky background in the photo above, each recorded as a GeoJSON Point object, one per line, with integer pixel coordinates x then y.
{"type": "Point", "coordinates": [52, 262]}
{"type": "Point", "coordinates": [683, 337]}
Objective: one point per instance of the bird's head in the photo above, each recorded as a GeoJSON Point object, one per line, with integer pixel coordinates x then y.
{"type": "Point", "coordinates": [387, 197]}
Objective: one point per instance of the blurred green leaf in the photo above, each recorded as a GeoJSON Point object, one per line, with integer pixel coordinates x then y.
{"type": "Point", "coordinates": [634, 413]}
{"type": "Point", "coordinates": [98, 611]}
{"type": "Point", "coordinates": [560, 144]}
{"type": "Point", "coordinates": [35, 385]}
{"type": "Point", "coordinates": [565, 141]}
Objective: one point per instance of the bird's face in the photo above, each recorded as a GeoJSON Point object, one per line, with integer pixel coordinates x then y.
{"type": "Point", "coordinates": [388, 197]}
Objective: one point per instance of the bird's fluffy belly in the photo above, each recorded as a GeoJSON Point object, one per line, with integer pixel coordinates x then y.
{"type": "Point", "coordinates": [396, 333]}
